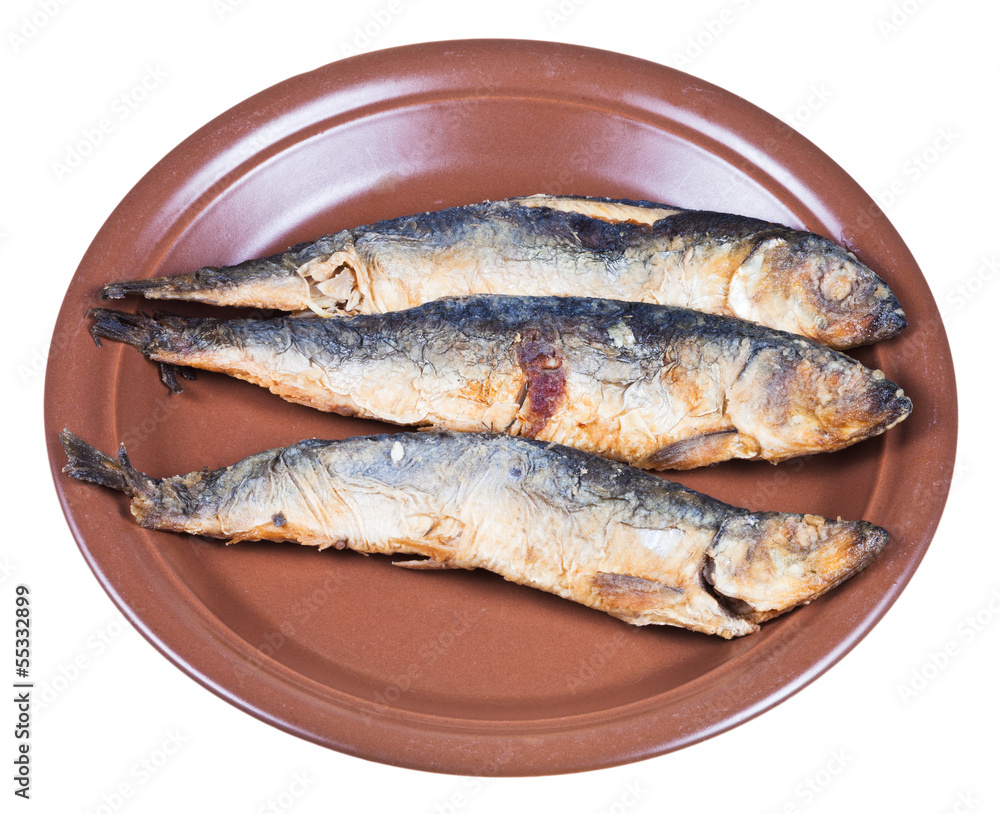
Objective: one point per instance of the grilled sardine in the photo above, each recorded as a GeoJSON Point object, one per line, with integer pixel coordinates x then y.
{"type": "Point", "coordinates": [656, 386]}
{"type": "Point", "coordinates": [542, 245]}
{"type": "Point", "coordinates": [642, 549]}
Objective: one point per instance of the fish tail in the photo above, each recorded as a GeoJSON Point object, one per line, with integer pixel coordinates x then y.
{"type": "Point", "coordinates": [90, 464]}
{"type": "Point", "coordinates": [137, 330]}
{"type": "Point", "coordinates": [145, 333]}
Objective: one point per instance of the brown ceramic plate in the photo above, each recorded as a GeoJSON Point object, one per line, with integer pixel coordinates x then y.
{"type": "Point", "coordinates": [460, 671]}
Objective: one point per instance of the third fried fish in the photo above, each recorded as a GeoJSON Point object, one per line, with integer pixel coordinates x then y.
{"type": "Point", "coordinates": [635, 546]}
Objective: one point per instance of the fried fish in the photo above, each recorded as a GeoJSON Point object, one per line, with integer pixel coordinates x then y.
{"type": "Point", "coordinates": [655, 386]}
{"type": "Point", "coordinates": [719, 263]}
{"type": "Point", "coordinates": [600, 533]}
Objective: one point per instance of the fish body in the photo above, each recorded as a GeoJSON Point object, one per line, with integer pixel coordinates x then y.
{"type": "Point", "coordinates": [565, 246]}
{"type": "Point", "coordinates": [638, 547]}
{"type": "Point", "coordinates": [655, 386]}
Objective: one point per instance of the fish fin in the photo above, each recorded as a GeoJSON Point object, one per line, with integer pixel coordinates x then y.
{"type": "Point", "coordinates": [250, 535]}
{"type": "Point", "coordinates": [702, 450]}
{"type": "Point", "coordinates": [436, 545]}
{"type": "Point", "coordinates": [423, 565]}
{"type": "Point", "coordinates": [629, 590]}
{"type": "Point", "coordinates": [89, 464]}
{"type": "Point", "coordinates": [168, 375]}
{"type": "Point", "coordinates": [606, 209]}
{"type": "Point", "coordinates": [642, 601]}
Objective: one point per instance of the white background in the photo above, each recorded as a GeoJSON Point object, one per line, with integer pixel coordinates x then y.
{"type": "Point", "coordinates": [902, 94]}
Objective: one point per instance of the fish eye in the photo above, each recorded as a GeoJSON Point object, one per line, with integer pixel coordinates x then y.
{"type": "Point", "coordinates": [839, 283]}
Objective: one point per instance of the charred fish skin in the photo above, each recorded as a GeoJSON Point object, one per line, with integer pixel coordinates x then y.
{"type": "Point", "coordinates": [566, 246]}
{"type": "Point", "coordinates": [590, 530]}
{"type": "Point", "coordinates": [655, 386]}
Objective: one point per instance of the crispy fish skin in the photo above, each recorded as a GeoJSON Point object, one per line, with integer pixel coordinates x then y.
{"type": "Point", "coordinates": [656, 386]}
{"type": "Point", "coordinates": [566, 246]}
{"type": "Point", "coordinates": [600, 533]}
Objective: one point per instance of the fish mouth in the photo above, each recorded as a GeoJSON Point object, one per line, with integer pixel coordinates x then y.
{"type": "Point", "coordinates": [887, 405]}
{"type": "Point", "coordinates": [856, 328]}
{"type": "Point", "coordinates": [876, 411]}
{"type": "Point", "coordinates": [853, 332]}
{"type": "Point", "coordinates": [887, 321]}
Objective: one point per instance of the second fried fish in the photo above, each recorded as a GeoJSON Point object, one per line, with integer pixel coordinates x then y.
{"type": "Point", "coordinates": [655, 386]}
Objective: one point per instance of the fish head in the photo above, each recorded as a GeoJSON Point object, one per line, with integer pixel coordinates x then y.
{"type": "Point", "coordinates": [764, 564]}
{"type": "Point", "coordinates": [795, 399]}
{"type": "Point", "coordinates": [805, 284]}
